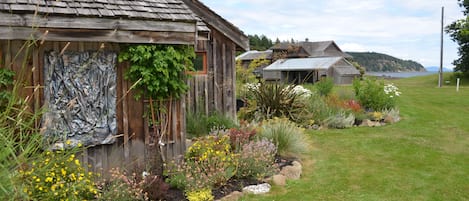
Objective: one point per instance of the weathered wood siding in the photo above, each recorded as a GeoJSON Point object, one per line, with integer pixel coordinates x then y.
{"type": "Point", "coordinates": [136, 143]}
{"type": "Point", "coordinates": [215, 91]}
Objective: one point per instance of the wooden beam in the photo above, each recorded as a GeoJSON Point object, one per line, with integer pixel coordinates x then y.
{"type": "Point", "coordinates": [88, 35]}
{"type": "Point", "coordinates": [30, 20]}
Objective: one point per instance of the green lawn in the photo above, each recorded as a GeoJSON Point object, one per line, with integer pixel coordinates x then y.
{"type": "Point", "coordinates": [423, 157]}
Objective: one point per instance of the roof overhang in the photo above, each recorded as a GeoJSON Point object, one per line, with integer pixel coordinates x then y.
{"type": "Point", "coordinates": [219, 23]}
{"type": "Point", "coordinates": [89, 29]}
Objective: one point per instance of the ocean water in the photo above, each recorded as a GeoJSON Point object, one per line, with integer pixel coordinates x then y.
{"type": "Point", "coordinates": [400, 74]}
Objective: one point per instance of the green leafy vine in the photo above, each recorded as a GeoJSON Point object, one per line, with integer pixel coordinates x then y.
{"type": "Point", "coordinates": [6, 82]}
{"type": "Point", "coordinates": [158, 70]}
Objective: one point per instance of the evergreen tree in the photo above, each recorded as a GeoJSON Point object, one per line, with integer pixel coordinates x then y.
{"type": "Point", "coordinates": [459, 32]}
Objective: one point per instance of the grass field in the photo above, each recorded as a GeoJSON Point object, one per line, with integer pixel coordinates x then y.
{"type": "Point", "coordinates": [423, 157]}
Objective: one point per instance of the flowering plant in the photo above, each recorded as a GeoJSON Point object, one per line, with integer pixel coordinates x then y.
{"type": "Point", "coordinates": [374, 95]}
{"type": "Point", "coordinates": [200, 195]}
{"type": "Point", "coordinates": [207, 163]}
{"type": "Point", "coordinates": [58, 176]}
{"type": "Point", "coordinates": [391, 90]}
{"type": "Point", "coordinates": [256, 159]}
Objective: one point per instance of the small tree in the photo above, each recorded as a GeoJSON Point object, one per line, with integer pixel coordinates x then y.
{"type": "Point", "coordinates": [459, 31]}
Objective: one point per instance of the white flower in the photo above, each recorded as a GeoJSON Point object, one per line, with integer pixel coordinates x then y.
{"type": "Point", "coordinates": [391, 90]}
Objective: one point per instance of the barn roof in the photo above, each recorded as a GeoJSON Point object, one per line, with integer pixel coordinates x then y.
{"type": "Point", "coordinates": [254, 54]}
{"type": "Point", "coordinates": [126, 21]}
{"type": "Point", "coordinates": [174, 10]}
{"type": "Point", "coordinates": [219, 23]}
{"type": "Point", "coordinates": [303, 64]}
{"type": "Point", "coordinates": [314, 49]}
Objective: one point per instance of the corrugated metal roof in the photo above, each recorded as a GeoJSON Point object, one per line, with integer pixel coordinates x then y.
{"type": "Point", "coordinates": [254, 54]}
{"type": "Point", "coordinates": [302, 64]}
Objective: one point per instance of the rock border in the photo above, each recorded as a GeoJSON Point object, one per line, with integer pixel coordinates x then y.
{"type": "Point", "coordinates": [289, 172]}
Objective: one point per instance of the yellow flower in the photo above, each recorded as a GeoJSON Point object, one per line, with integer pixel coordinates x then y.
{"type": "Point", "coordinates": [77, 162]}
{"type": "Point", "coordinates": [49, 179]}
{"type": "Point", "coordinates": [68, 142]}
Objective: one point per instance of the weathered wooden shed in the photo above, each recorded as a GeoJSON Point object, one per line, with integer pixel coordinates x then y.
{"type": "Point", "coordinates": [67, 51]}
{"type": "Point", "coordinates": [213, 86]}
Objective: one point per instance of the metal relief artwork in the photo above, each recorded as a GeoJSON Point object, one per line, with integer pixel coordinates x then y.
{"type": "Point", "coordinates": [80, 95]}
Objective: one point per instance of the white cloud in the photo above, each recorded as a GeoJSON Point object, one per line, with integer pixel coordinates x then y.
{"type": "Point", "coordinates": [404, 28]}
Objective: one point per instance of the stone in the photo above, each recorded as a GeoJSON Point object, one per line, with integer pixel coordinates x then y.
{"type": "Point", "coordinates": [369, 123]}
{"type": "Point", "coordinates": [188, 143]}
{"type": "Point", "coordinates": [391, 120]}
{"type": "Point", "coordinates": [291, 172]}
{"type": "Point", "coordinates": [233, 196]}
{"type": "Point", "coordinates": [279, 180]}
{"type": "Point", "coordinates": [257, 189]}
{"type": "Point", "coordinates": [297, 164]}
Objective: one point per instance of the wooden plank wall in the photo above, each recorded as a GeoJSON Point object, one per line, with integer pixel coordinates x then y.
{"type": "Point", "coordinates": [132, 147]}
{"type": "Point", "coordinates": [215, 91]}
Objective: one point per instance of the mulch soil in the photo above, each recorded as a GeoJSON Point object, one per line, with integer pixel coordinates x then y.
{"type": "Point", "coordinates": [232, 185]}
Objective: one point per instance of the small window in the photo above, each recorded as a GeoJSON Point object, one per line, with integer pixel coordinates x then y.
{"type": "Point", "coordinates": [200, 63]}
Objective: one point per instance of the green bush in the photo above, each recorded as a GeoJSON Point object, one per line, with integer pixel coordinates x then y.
{"type": "Point", "coordinates": [256, 159]}
{"type": "Point", "coordinates": [57, 175]}
{"type": "Point", "coordinates": [271, 100]}
{"type": "Point", "coordinates": [286, 135]}
{"type": "Point", "coordinates": [319, 108]}
{"type": "Point", "coordinates": [208, 163]}
{"type": "Point", "coordinates": [324, 86]}
{"type": "Point", "coordinates": [6, 82]}
{"type": "Point", "coordinates": [341, 120]}
{"type": "Point", "coordinates": [199, 124]}
{"type": "Point", "coordinates": [374, 95]}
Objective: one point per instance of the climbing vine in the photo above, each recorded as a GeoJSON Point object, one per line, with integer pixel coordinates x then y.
{"type": "Point", "coordinates": [6, 81]}
{"type": "Point", "coordinates": [158, 70]}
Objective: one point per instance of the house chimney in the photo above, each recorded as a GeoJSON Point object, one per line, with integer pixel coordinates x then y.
{"type": "Point", "coordinates": [306, 40]}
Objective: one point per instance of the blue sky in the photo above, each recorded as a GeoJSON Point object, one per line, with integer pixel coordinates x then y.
{"type": "Point", "coordinates": [407, 29]}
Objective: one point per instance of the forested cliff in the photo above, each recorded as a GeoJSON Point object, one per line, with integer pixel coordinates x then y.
{"type": "Point", "coordinates": [377, 62]}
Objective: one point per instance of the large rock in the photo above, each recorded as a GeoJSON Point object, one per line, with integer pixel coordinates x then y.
{"type": "Point", "coordinates": [369, 123]}
{"type": "Point", "coordinates": [279, 180]}
{"type": "Point", "coordinates": [291, 172]}
{"type": "Point", "coordinates": [233, 196]}
{"type": "Point", "coordinates": [297, 164]}
{"type": "Point", "coordinates": [257, 189]}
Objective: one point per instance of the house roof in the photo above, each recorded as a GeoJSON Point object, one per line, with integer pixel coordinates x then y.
{"type": "Point", "coordinates": [314, 49]}
{"type": "Point", "coordinates": [303, 64]}
{"type": "Point", "coordinates": [219, 23]}
{"type": "Point", "coordinates": [173, 10]}
{"type": "Point", "coordinates": [254, 54]}
{"type": "Point", "coordinates": [123, 21]}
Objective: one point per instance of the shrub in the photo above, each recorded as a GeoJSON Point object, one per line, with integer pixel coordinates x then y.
{"type": "Point", "coordinates": [58, 176]}
{"type": "Point", "coordinates": [319, 108]}
{"type": "Point", "coordinates": [209, 162]}
{"type": "Point", "coordinates": [121, 186]}
{"type": "Point", "coordinates": [341, 120]}
{"type": "Point", "coordinates": [6, 81]}
{"type": "Point", "coordinates": [271, 100]}
{"type": "Point", "coordinates": [220, 121]}
{"type": "Point", "coordinates": [286, 135]}
{"type": "Point", "coordinates": [375, 95]}
{"type": "Point", "coordinates": [132, 187]}
{"type": "Point", "coordinates": [199, 124]}
{"type": "Point", "coordinates": [241, 136]}
{"type": "Point", "coordinates": [256, 159]}
{"type": "Point", "coordinates": [200, 195]}
{"type": "Point", "coordinates": [325, 86]}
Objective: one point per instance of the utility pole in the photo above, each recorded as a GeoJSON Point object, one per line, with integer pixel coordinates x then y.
{"type": "Point", "coordinates": [440, 76]}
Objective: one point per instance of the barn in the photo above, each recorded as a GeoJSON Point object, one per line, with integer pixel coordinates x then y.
{"type": "Point", "coordinates": [65, 53]}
